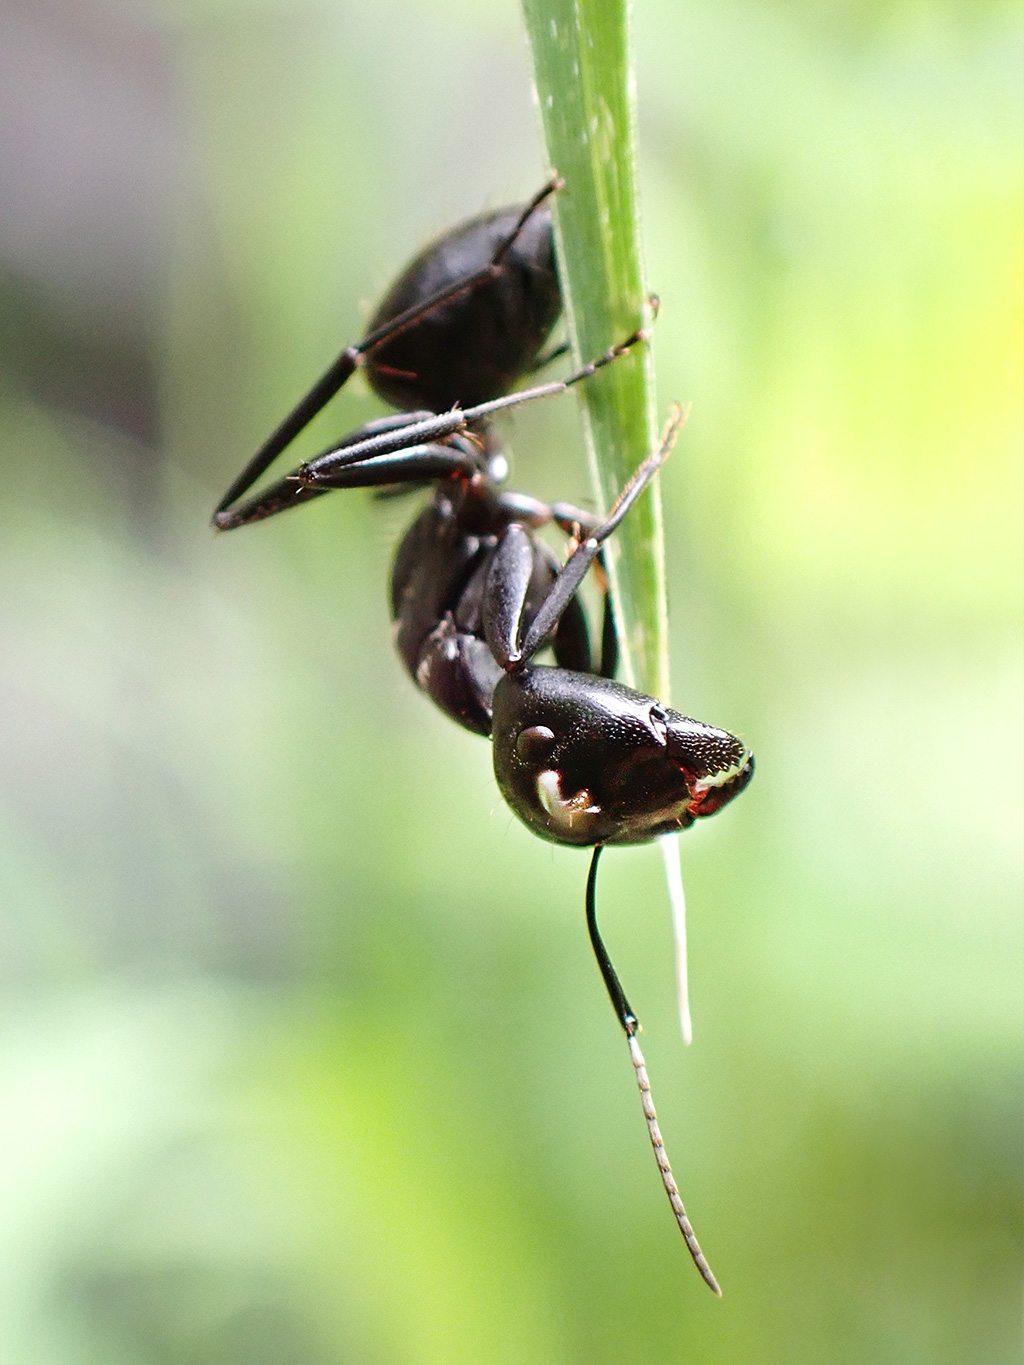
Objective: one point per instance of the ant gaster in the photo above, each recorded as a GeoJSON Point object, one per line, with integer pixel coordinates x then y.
{"type": "Point", "coordinates": [475, 595]}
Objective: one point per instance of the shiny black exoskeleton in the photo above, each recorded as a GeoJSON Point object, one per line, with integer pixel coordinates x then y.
{"type": "Point", "coordinates": [478, 342]}
{"type": "Point", "coordinates": [476, 595]}
{"type": "Point", "coordinates": [585, 761]}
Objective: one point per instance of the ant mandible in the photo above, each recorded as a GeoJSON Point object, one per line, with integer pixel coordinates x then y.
{"type": "Point", "coordinates": [475, 596]}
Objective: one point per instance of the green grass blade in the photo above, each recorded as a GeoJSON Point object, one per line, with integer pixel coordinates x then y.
{"type": "Point", "coordinates": [581, 59]}
{"type": "Point", "coordinates": [584, 77]}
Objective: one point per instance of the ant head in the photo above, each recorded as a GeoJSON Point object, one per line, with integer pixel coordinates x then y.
{"type": "Point", "coordinates": [583, 760]}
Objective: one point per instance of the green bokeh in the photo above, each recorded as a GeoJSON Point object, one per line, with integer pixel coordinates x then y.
{"type": "Point", "coordinates": [303, 1054]}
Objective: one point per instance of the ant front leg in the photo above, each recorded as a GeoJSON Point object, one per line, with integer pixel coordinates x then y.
{"type": "Point", "coordinates": [576, 566]}
{"type": "Point", "coordinates": [577, 523]}
{"type": "Point", "coordinates": [510, 640]}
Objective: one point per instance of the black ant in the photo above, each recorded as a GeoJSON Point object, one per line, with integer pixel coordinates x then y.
{"type": "Point", "coordinates": [475, 595]}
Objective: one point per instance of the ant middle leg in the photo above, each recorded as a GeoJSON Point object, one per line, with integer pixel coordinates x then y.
{"type": "Point", "coordinates": [577, 525]}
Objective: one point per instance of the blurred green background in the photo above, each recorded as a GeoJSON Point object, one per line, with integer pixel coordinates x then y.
{"type": "Point", "coordinates": [304, 1056]}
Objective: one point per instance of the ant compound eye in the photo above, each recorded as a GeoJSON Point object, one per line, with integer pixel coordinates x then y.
{"type": "Point", "coordinates": [534, 743]}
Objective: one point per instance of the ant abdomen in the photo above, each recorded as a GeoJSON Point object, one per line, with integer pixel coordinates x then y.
{"type": "Point", "coordinates": [478, 343]}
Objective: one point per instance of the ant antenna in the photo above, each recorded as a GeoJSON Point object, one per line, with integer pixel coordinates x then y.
{"type": "Point", "coordinates": [631, 1026]}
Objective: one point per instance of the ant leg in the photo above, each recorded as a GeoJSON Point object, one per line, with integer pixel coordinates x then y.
{"type": "Point", "coordinates": [631, 1026]}
{"type": "Point", "coordinates": [286, 431]}
{"type": "Point", "coordinates": [571, 642]}
{"type": "Point", "coordinates": [545, 192]}
{"type": "Point", "coordinates": [504, 601]}
{"type": "Point", "coordinates": [289, 493]}
{"type": "Point", "coordinates": [503, 610]}
{"type": "Point", "coordinates": [583, 556]}
{"type": "Point", "coordinates": [574, 521]}
{"type": "Point", "coordinates": [542, 362]}
{"type": "Point", "coordinates": [331, 381]}
{"type": "Point", "coordinates": [444, 424]}
{"type": "Point", "coordinates": [512, 400]}
{"type": "Point", "coordinates": [413, 464]}
{"type": "Point", "coordinates": [509, 577]}
{"type": "Point", "coordinates": [609, 639]}
{"type": "Point", "coordinates": [563, 348]}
